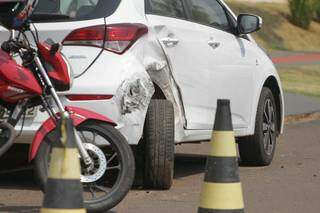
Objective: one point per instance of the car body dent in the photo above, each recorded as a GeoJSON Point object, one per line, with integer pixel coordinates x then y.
{"type": "Point", "coordinates": [133, 97]}
{"type": "Point", "coordinates": [142, 65]}
{"type": "Point", "coordinates": [128, 82]}
{"type": "Point", "coordinates": [158, 67]}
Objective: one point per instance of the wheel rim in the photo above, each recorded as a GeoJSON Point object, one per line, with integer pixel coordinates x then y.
{"type": "Point", "coordinates": [101, 179]}
{"type": "Point", "coordinates": [99, 167]}
{"type": "Point", "coordinates": [97, 187]}
{"type": "Point", "coordinates": [269, 127]}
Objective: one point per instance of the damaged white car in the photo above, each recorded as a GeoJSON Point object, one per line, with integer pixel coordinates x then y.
{"type": "Point", "coordinates": [157, 68]}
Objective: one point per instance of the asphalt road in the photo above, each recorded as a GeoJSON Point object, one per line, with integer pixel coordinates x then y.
{"type": "Point", "coordinates": [297, 104]}
{"type": "Point", "coordinates": [290, 185]}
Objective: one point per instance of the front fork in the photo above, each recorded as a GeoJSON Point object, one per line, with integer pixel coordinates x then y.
{"type": "Point", "coordinates": [83, 152]}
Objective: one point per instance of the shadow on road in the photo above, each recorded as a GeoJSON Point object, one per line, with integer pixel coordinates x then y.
{"type": "Point", "coordinates": [15, 171]}
{"type": "Point", "coordinates": [19, 209]}
{"type": "Point", "coordinates": [25, 209]}
{"type": "Point", "coordinates": [189, 164]}
{"type": "Point", "coordinates": [185, 165]}
{"type": "Point", "coordinates": [18, 180]}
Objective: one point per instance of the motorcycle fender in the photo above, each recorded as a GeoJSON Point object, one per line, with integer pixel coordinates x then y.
{"type": "Point", "coordinates": [78, 116]}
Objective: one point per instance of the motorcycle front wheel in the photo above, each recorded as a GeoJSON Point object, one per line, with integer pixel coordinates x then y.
{"type": "Point", "coordinates": [110, 179]}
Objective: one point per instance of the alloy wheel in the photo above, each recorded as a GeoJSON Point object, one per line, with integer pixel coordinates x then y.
{"type": "Point", "coordinates": [269, 127]}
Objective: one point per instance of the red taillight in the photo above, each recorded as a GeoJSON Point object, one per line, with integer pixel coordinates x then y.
{"type": "Point", "coordinates": [115, 37]}
{"type": "Point", "coordinates": [88, 97]}
{"type": "Point", "coordinates": [86, 34]}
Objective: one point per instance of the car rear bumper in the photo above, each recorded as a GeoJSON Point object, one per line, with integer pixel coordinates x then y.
{"type": "Point", "coordinates": [123, 77]}
{"type": "Point", "coordinates": [130, 127]}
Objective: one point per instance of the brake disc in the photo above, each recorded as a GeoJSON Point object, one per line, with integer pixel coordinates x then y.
{"type": "Point", "coordinates": [99, 168]}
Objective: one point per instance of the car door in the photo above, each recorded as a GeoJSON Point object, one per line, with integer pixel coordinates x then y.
{"type": "Point", "coordinates": [184, 43]}
{"type": "Point", "coordinates": [232, 60]}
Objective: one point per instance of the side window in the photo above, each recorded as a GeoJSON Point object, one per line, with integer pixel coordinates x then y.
{"type": "Point", "coordinates": [209, 12]}
{"type": "Point", "coordinates": [171, 8]}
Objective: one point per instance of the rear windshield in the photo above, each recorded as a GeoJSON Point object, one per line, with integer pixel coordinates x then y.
{"type": "Point", "coordinates": [78, 10]}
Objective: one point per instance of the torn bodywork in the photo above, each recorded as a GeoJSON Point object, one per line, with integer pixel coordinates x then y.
{"type": "Point", "coordinates": [135, 94]}
{"type": "Point", "coordinates": [136, 91]}
{"type": "Point", "coordinates": [133, 98]}
{"type": "Point", "coordinates": [161, 75]}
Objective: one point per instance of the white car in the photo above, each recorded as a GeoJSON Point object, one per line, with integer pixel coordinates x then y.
{"type": "Point", "coordinates": [157, 68]}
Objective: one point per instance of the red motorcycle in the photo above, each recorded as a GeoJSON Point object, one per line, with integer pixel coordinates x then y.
{"type": "Point", "coordinates": [30, 76]}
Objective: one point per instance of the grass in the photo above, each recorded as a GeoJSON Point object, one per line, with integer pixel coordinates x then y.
{"type": "Point", "coordinates": [278, 33]}
{"type": "Point", "coordinates": [303, 80]}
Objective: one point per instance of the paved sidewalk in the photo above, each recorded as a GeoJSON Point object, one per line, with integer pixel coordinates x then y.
{"type": "Point", "coordinates": [292, 59]}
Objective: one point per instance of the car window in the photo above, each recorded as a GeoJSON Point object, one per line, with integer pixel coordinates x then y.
{"type": "Point", "coordinates": [78, 10]}
{"type": "Point", "coordinates": [171, 8]}
{"type": "Point", "coordinates": [209, 12]}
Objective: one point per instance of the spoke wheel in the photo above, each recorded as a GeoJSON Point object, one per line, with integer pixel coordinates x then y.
{"type": "Point", "coordinates": [269, 124]}
{"type": "Point", "coordinates": [108, 180]}
{"type": "Point", "coordinates": [100, 178]}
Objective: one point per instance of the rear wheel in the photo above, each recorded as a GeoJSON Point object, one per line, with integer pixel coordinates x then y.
{"type": "Point", "coordinates": [259, 149]}
{"type": "Point", "coordinates": [158, 145]}
{"type": "Point", "coordinates": [111, 177]}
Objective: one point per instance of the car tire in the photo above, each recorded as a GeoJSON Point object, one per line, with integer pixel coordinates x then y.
{"type": "Point", "coordinates": [158, 145]}
{"type": "Point", "coordinates": [259, 148]}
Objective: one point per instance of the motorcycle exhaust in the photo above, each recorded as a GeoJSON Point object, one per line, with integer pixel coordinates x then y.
{"type": "Point", "coordinates": [7, 136]}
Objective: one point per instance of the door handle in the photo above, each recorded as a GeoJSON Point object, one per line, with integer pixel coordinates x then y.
{"type": "Point", "coordinates": [170, 42]}
{"type": "Point", "coordinates": [214, 44]}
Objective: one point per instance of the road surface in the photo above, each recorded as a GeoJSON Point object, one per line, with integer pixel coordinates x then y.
{"type": "Point", "coordinates": [290, 185]}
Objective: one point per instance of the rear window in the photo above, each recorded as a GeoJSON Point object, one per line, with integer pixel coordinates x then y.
{"type": "Point", "coordinates": [78, 10]}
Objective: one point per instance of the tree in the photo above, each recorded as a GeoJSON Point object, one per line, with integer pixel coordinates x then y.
{"type": "Point", "coordinates": [301, 12]}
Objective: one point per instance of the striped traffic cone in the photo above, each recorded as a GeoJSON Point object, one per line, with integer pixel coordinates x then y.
{"type": "Point", "coordinates": [222, 191]}
{"type": "Point", "coordinates": [63, 189]}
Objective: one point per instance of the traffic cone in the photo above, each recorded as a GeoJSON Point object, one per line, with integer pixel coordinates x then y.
{"type": "Point", "coordinates": [222, 190]}
{"type": "Point", "coordinates": [63, 192]}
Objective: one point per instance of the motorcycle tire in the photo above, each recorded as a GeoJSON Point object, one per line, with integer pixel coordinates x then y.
{"type": "Point", "coordinates": [119, 185]}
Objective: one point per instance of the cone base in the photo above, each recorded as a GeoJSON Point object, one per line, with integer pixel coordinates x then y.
{"type": "Point", "coordinates": [45, 210]}
{"type": "Point", "coordinates": [63, 194]}
{"type": "Point", "coordinates": [202, 210]}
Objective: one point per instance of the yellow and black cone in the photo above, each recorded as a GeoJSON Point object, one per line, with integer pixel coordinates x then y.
{"type": "Point", "coordinates": [64, 193]}
{"type": "Point", "coordinates": [222, 190]}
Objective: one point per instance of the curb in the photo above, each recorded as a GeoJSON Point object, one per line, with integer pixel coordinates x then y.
{"type": "Point", "coordinates": [306, 117]}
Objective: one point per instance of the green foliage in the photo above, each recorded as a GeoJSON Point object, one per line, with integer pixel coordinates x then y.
{"type": "Point", "coordinates": [317, 10]}
{"type": "Point", "coordinates": [301, 12]}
